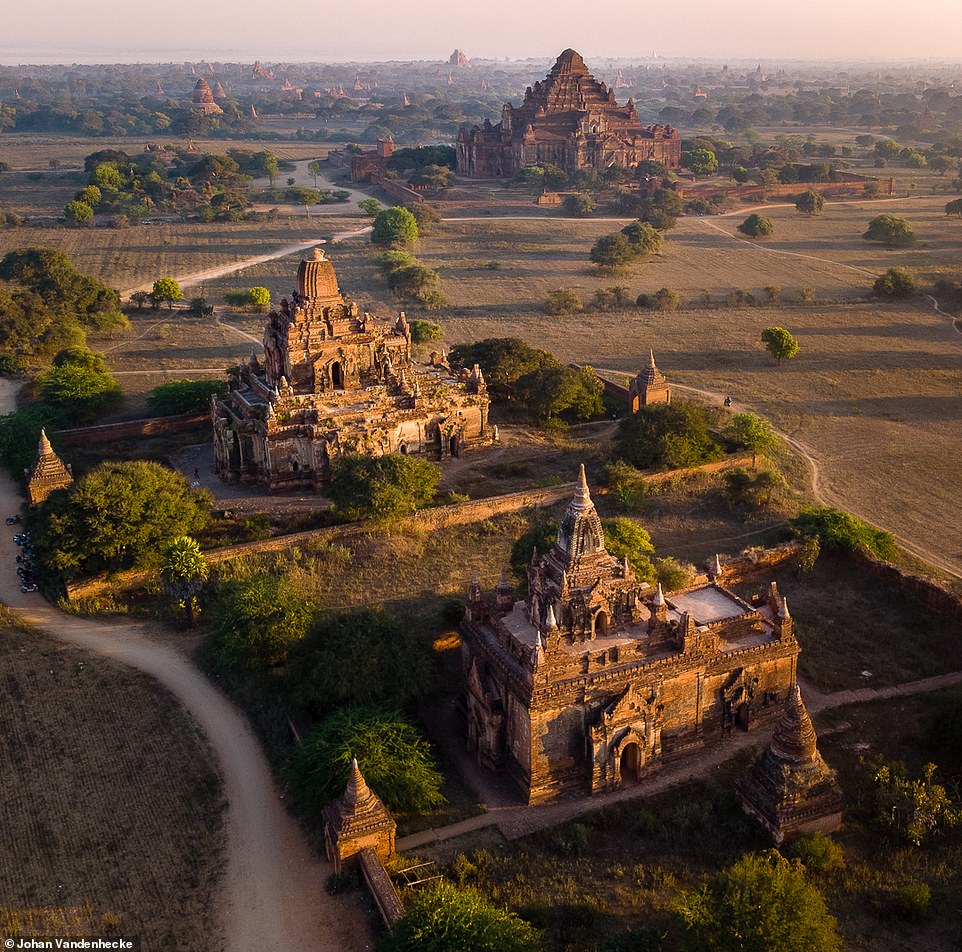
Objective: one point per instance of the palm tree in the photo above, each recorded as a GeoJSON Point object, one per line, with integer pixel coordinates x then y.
{"type": "Point", "coordinates": [184, 570]}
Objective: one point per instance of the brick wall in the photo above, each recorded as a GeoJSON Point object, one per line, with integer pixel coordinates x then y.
{"type": "Point", "coordinates": [132, 429]}
{"type": "Point", "coordinates": [936, 598]}
{"type": "Point", "coordinates": [397, 191]}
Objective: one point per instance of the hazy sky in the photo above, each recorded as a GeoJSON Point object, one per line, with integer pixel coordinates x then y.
{"type": "Point", "coordinates": [134, 30]}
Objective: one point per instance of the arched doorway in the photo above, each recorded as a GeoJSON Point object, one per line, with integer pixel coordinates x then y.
{"type": "Point", "coordinates": [601, 624]}
{"type": "Point", "coordinates": [454, 446]}
{"type": "Point", "coordinates": [630, 763]}
{"type": "Point", "coordinates": [337, 375]}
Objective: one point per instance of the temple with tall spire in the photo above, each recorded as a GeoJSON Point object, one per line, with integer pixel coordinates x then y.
{"type": "Point", "coordinates": [648, 386]}
{"type": "Point", "coordinates": [597, 676]}
{"type": "Point", "coordinates": [48, 473]}
{"type": "Point", "coordinates": [357, 820]}
{"type": "Point", "coordinates": [570, 120]}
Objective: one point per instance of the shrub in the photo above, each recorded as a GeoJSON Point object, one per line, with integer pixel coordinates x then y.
{"type": "Point", "coordinates": [612, 252]}
{"type": "Point", "coordinates": [360, 657]}
{"type": "Point", "coordinates": [446, 918]}
{"type": "Point", "coordinates": [426, 216]}
{"type": "Point", "coordinates": [392, 754]}
{"type": "Point", "coordinates": [842, 532]}
{"type": "Point", "coordinates": [258, 297]}
{"type": "Point", "coordinates": [756, 226]}
{"type": "Point", "coordinates": [744, 488]}
{"type": "Point", "coordinates": [911, 902]}
{"type": "Point", "coordinates": [819, 852]}
{"type": "Point", "coordinates": [607, 298]}
{"type": "Point", "coordinates": [806, 295]}
{"type": "Point", "coordinates": [562, 301]}
{"type": "Point", "coordinates": [259, 619]}
{"type": "Point", "coordinates": [417, 283]}
{"type": "Point", "coordinates": [761, 903]}
{"type": "Point", "coordinates": [670, 435]}
{"type": "Point", "coordinates": [673, 574]}
{"type": "Point", "coordinates": [578, 204]}
{"type": "Point", "coordinates": [664, 299]}
{"type": "Point", "coordinates": [78, 213]}
{"type": "Point", "coordinates": [643, 237]}
{"type": "Point", "coordinates": [423, 332]}
{"type": "Point", "coordinates": [810, 202]}
{"type": "Point", "coordinates": [773, 292]}
{"type": "Point", "coordinates": [184, 396]}
{"type": "Point", "coordinates": [910, 809]}
{"type": "Point", "coordinates": [365, 487]}
{"type": "Point", "coordinates": [890, 230]}
{"type": "Point", "coordinates": [895, 283]}
{"type": "Point", "coordinates": [627, 485]}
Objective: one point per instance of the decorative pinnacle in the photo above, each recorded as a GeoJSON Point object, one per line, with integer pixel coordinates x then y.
{"type": "Point", "coordinates": [551, 623]}
{"type": "Point", "coordinates": [44, 448]}
{"type": "Point", "coordinates": [651, 358]}
{"type": "Point", "coordinates": [785, 614]}
{"type": "Point", "coordinates": [582, 498]}
{"type": "Point", "coordinates": [659, 596]}
{"type": "Point", "coordinates": [716, 567]}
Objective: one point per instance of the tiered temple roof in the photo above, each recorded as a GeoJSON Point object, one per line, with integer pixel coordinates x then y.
{"type": "Point", "coordinates": [47, 474]}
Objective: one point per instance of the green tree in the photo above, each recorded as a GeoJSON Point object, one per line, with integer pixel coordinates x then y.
{"type": "Point", "coordinates": [740, 174]}
{"type": "Point", "coordinates": [670, 435]}
{"type": "Point", "coordinates": [365, 487]}
{"type": "Point", "coordinates": [426, 215]}
{"type": "Point", "coordinates": [762, 903]}
{"type": "Point", "coordinates": [90, 195]}
{"type": "Point", "coordinates": [612, 252]}
{"type": "Point", "coordinates": [80, 384]}
{"type": "Point", "coordinates": [370, 206]}
{"type": "Point", "coordinates": [30, 330]}
{"type": "Point", "coordinates": [184, 396]}
{"type": "Point", "coordinates": [887, 148]}
{"type": "Point", "coordinates": [578, 204]}
{"type": "Point", "coordinates": [751, 432]}
{"type": "Point", "coordinates": [416, 282]}
{"type": "Point", "coordinates": [184, 570]}
{"type": "Point", "coordinates": [644, 238]}
{"type": "Point", "coordinates": [423, 332]}
{"type": "Point", "coordinates": [259, 619]}
{"type": "Point", "coordinates": [504, 360]}
{"type": "Point", "coordinates": [107, 178]}
{"type": "Point", "coordinates": [117, 516]}
{"type": "Point", "coordinates": [434, 176]}
{"type": "Point", "coordinates": [78, 213]}
{"type": "Point", "coordinates": [913, 809]}
{"type": "Point", "coordinates": [625, 538]}
{"type": "Point", "coordinates": [757, 226]}
{"type": "Point", "coordinates": [810, 202]}
{"type": "Point", "coordinates": [895, 283]}
{"type": "Point", "coordinates": [700, 161]}
{"type": "Point", "coordinates": [842, 532]}
{"type": "Point", "coordinates": [315, 168]}
{"type": "Point", "coordinates": [549, 393]}
{"type": "Point", "coordinates": [562, 301]}
{"type": "Point", "coordinates": [166, 289]}
{"type": "Point", "coordinates": [954, 207]}
{"type": "Point", "coordinates": [447, 918]}
{"type": "Point", "coordinates": [395, 227]}
{"type": "Point", "coordinates": [664, 299]}
{"type": "Point", "coordinates": [779, 343]}
{"type": "Point", "coordinates": [393, 756]}
{"type": "Point", "coordinates": [359, 657]}
{"type": "Point", "coordinates": [258, 297]}
{"type": "Point", "coordinates": [891, 230]}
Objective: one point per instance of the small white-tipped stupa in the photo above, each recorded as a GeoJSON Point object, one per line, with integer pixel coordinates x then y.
{"type": "Point", "coordinates": [659, 599]}
{"type": "Point", "coordinates": [551, 623]}
{"type": "Point", "coordinates": [785, 613]}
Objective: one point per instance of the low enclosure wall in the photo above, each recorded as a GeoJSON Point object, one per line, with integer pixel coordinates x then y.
{"type": "Point", "coordinates": [132, 429]}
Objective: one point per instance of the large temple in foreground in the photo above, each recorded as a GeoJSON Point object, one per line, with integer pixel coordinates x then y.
{"type": "Point", "coordinates": [596, 678]}
{"type": "Point", "coordinates": [336, 380]}
{"type": "Point", "coordinates": [569, 120]}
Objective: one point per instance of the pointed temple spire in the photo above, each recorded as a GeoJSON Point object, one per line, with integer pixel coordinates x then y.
{"type": "Point", "coordinates": [47, 474]}
{"type": "Point", "coordinates": [794, 739]}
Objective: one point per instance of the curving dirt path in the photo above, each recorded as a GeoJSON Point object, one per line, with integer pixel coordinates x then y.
{"type": "Point", "coordinates": [273, 892]}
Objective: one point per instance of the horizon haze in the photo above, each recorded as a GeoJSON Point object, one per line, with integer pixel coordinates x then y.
{"type": "Point", "coordinates": [880, 32]}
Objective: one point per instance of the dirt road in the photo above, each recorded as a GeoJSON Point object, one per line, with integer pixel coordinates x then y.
{"type": "Point", "coordinates": [273, 891]}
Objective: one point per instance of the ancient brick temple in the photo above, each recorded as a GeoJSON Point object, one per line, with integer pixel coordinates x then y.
{"type": "Point", "coordinates": [202, 99]}
{"type": "Point", "coordinates": [569, 120]}
{"type": "Point", "coordinates": [48, 473]}
{"type": "Point", "coordinates": [648, 386]}
{"type": "Point", "coordinates": [357, 821]}
{"type": "Point", "coordinates": [791, 790]}
{"type": "Point", "coordinates": [596, 678]}
{"type": "Point", "coordinates": [335, 380]}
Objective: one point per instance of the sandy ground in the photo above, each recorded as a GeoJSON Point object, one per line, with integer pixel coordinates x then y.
{"type": "Point", "coordinates": [273, 894]}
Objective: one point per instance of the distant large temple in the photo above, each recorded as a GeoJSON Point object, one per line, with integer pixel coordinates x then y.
{"type": "Point", "coordinates": [569, 120]}
{"type": "Point", "coordinates": [335, 380]}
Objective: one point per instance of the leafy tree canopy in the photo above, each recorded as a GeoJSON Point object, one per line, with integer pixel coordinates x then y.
{"type": "Point", "coordinates": [762, 903]}
{"type": "Point", "coordinates": [624, 537]}
{"type": "Point", "coordinates": [31, 330]}
{"type": "Point", "coordinates": [394, 226]}
{"type": "Point", "coordinates": [667, 435]}
{"type": "Point", "coordinates": [20, 435]}
{"type": "Point", "coordinates": [842, 531]}
{"type": "Point", "coordinates": [504, 361]}
{"type": "Point", "coordinates": [895, 283]}
{"type": "Point", "coordinates": [80, 384]}
{"type": "Point", "coordinates": [166, 289]}
{"type": "Point", "coordinates": [365, 487]}
{"type": "Point", "coordinates": [447, 918]}
{"type": "Point", "coordinates": [751, 432]}
{"type": "Point", "coordinates": [612, 252]}
{"type": "Point", "coordinates": [360, 657]}
{"type": "Point", "coordinates": [184, 396]}
{"type": "Point", "coordinates": [550, 393]}
{"type": "Point", "coordinates": [810, 202]}
{"type": "Point", "coordinates": [117, 516]}
{"type": "Point", "coordinates": [392, 754]}
{"type": "Point", "coordinates": [779, 343]}
{"type": "Point", "coordinates": [423, 332]}
{"type": "Point", "coordinates": [644, 238]}
{"type": "Point", "coordinates": [890, 230]}
{"type": "Point", "coordinates": [757, 226]}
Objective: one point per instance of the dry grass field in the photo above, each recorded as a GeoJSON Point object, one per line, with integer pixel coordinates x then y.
{"type": "Point", "coordinates": [111, 812]}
